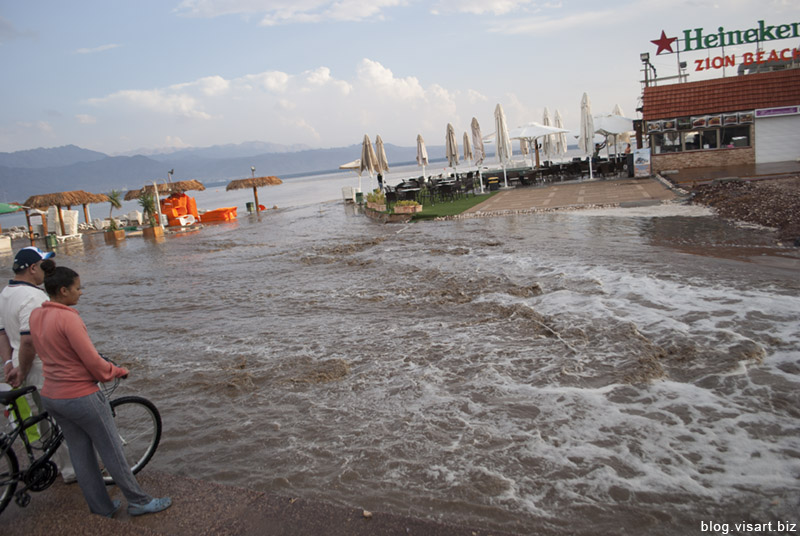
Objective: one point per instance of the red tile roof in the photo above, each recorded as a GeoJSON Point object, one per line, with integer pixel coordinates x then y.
{"type": "Point", "coordinates": [720, 95]}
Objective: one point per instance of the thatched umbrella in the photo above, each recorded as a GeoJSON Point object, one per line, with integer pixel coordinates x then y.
{"type": "Point", "coordinates": [64, 199]}
{"type": "Point", "coordinates": [253, 183]}
{"type": "Point", "coordinates": [166, 188]}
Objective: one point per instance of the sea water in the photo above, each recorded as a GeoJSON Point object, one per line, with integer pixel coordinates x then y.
{"type": "Point", "coordinates": [577, 372]}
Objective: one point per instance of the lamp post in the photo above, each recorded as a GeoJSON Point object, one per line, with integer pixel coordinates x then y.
{"type": "Point", "coordinates": [253, 171]}
{"type": "Point", "coordinates": [169, 175]}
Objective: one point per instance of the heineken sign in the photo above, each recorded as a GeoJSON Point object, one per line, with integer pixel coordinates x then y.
{"type": "Point", "coordinates": [699, 39]}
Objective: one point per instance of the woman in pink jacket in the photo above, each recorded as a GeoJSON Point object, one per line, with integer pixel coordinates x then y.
{"type": "Point", "coordinates": [72, 367]}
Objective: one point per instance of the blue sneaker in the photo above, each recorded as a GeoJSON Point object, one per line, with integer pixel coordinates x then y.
{"type": "Point", "coordinates": [117, 506]}
{"type": "Point", "coordinates": [156, 505]}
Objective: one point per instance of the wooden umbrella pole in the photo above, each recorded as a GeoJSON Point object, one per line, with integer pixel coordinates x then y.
{"type": "Point", "coordinates": [30, 227]}
{"type": "Point", "coordinates": [86, 213]}
{"type": "Point", "coordinates": [61, 220]}
{"type": "Point", "coordinates": [255, 195]}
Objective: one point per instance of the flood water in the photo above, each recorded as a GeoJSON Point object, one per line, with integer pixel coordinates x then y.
{"type": "Point", "coordinates": [563, 373]}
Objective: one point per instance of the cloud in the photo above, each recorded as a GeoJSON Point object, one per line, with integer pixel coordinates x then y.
{"type": "Point", "coordinates": [289, 11]}
{"type": "Point", "coordinates": [480, 7]}
{"type": "Point", "coordinates": [379, 78]}
{"type": "Point", "coordinates": [155, 100]}
{"type": "Point", "coordinates": [85, 119]}
{"type": "Point", "coordinates": [9, 32]}
{"type": "Point", "coordinates": [101, 48]}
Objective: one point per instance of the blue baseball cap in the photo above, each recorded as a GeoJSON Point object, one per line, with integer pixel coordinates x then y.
{"type": "Point", "coordinates": [29, 256]}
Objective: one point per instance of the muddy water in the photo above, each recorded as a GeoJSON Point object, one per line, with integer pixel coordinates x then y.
{"type": "Point", "coordinates": [555, 373]}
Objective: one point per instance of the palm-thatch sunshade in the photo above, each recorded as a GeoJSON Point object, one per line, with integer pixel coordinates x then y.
{"type": "Point", "coordinates": [166, 188]}
{"type": "Point", "coordinates": [253, 183]}
{"type": "Point", "coordinates": [64, 199]}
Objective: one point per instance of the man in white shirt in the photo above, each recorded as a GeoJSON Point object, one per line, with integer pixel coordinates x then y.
{"type": "Point", "coordinates": [17, 301]}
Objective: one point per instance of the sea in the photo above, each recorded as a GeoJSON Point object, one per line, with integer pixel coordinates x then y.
{"type": "Point", "coordinates": [615, 371]}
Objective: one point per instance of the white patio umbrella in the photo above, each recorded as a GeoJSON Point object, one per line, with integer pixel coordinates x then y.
{"type": "Point", "coordinates": [477, 147]}
{"type": "Point", "coordinates": [422, 155]}
{"type": "Point", "coordinates": [586, 135]}
{"type": "Point", "coordinates": [355, 165]}
{"type": "Point", "coordinates": [382, 164]}
{"type": "Point", "coordinates": [612, 125]}
{"type": "Point", "coordinates": [451, 147]}
{"type": "Point", "coordinates": [467, 148]}
{"type": "Point", "coordinates": [561, 139]}
{"type": "Point", "coordinates": [504, 150]}
{"type": "Point", "coordinates": [548, 142]}
{"type": "Point", "coordinates": [369, 160]}
{"type": "Point", "coordinates": [532, 131]}
{"type": "Point", "coordinates": [624, 138]}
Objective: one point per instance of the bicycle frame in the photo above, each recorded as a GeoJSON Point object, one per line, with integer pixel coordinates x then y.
{"type": "Point", "coordinates": [40, 473]}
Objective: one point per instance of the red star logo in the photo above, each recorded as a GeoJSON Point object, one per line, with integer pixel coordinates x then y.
{"type": "Point", "coordinates": [664, 43]}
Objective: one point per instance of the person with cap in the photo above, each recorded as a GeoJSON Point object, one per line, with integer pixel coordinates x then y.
{"type": "Point", "coordinates": [20, 366]}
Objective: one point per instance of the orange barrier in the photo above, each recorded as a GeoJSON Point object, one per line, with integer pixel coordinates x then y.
{"type": "Point", "coordinates": [219, 214]}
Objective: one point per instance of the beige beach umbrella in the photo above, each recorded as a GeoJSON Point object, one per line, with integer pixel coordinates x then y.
{"type": "Point", "coordinates": [451, 147]}
{"type": "Point", "coordinates": [254, 183]}
{"type": "Point", "coordinates": [586, 133]}
{"type": "Point", "coordinates": [369, 160]}
{"type": "Point", "coordinates": [467, 148]}
{"type": "Point", "coordinates": [502, 141]}
{"type": "Point", "coordinates": [380, 152]}
{"type": "Point", "coordinates": [422, 154]}
{"type": "Point", "coordinates": [561, 139]}
{"type": "Point", "coordinates": [626, 137]}
{"type": "Point", "coordinates": [477, 147]}
{"type": "Point", "coordinates": [531, 132]}
{"type": "Point", "coordinates": [548, 142]}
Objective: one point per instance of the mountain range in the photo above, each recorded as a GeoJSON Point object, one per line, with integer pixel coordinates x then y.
{"type": "Point", "coordinates": [58, 169]}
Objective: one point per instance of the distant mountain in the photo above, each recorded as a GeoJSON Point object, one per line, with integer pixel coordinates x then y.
{"type": "Point", "coordinates": [42, 158]}
{"type": "Point", "coordinates": [231, 150]}
{"type": "Point", "coordinates": [80, 169]}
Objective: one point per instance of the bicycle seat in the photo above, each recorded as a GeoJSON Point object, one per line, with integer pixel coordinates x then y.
{"type": "Point", "coordinates": [6, 397]}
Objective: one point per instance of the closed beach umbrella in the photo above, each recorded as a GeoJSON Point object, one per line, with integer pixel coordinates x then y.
{"type": "Point", "coordinates": [254, 183]}
{"type": "Point", "coordinates": [477, 147]}
{"type": "Point", "coordinates": [626, 137]}
{"type": "Point", "coordinates": [504, 151]}
{"type": "Point", "coordinates": [548, 142]}
{"type": "Point", "coordinates": [380, 152]}
{"type": "Point", "coordinates": [561, 139]}
{"type": "Point", "coordinates": [467, 148]}
{"type": "Point", "coordinates": [422, 154]}
{"type": "Point", "coordinates": [451, 147]}
{"type": "Point", "coordinates": [586, 135]}
{"type": "Point", "coordinates": [477, 142]}
{"type": "Point", "coordinates": [369, 160]}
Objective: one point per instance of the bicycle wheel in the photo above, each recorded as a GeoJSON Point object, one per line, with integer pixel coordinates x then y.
{"type": "Point", "coordinates": [9, 468]}
{"type": "Point", "coordinates": [139, 427]}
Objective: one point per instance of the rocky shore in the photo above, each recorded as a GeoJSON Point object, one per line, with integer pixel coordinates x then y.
{"type": "Point", "coordinates": [772, 203]}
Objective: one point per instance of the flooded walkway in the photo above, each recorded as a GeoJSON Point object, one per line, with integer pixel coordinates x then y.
{"type": "Point", "coordinates": [620, 192]}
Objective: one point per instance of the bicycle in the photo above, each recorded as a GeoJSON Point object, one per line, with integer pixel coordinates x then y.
{"type": "Point", "coordinates": [138, 423]}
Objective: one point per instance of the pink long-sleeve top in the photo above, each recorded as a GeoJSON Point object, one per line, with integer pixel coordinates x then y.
{"type": "Point", "coordinates": [70, 363]}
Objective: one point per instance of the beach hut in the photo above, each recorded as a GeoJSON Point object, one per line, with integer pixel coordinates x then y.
{"type": "Point", "coordinates": [254, 183]}
{"type": "Point", "coordinates": [63, 199]}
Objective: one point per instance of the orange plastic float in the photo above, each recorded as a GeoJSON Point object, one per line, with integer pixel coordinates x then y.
{"type": "Point", "coordinates": [219, 214]}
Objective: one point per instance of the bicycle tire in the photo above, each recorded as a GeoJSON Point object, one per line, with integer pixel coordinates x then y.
{"type": "Point", "coordinates": [9, 469]}
{"type": "Point", "coordinates": [139, 427]}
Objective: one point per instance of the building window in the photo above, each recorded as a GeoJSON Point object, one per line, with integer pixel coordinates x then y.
{"type": "Point", "coordinates": [666, 142]}
{"type": "Point", "coordinates": [697, 140]}
{"type": "Point", "coordinates": [736, 136]}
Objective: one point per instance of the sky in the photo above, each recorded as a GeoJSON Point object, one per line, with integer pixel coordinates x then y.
{"type": "Point", "coordinates": [118, 76]}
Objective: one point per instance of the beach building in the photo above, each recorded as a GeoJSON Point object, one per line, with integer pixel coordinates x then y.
{"type": "Point", "coordinates": [744, 119]}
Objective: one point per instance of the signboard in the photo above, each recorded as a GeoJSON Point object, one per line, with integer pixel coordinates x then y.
{"type": "Point", "coordinates": [641, 163]}
{"type": "Point", "coordinates": [698, 39]}
{"type": "Point", "coordinates": [772, 112]}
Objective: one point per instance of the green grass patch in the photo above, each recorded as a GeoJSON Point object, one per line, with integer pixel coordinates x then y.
{"type": "Point", "coordinates": [450, 208]}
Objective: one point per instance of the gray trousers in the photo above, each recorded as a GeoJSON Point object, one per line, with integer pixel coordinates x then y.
{"type": "Point", "coordinates": [88, 425]}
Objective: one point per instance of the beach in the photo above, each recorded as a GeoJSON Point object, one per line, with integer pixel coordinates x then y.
{"type": "Point", "coordinates": [564, 372]}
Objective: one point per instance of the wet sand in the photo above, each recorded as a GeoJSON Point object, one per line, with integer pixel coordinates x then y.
{"type": "Point", "coordinates": [206, 508]}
